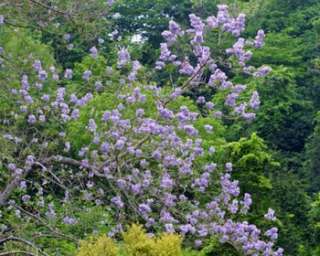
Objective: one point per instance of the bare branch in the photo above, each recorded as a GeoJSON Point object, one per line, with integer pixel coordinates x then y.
{"type": "Point", "coordinates": [5, 194]}
{"type": "Point", "coordinates": [21, 240]}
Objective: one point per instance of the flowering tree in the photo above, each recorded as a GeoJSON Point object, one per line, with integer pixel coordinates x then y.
{"type": "Point", "coordinates": [143, 155]}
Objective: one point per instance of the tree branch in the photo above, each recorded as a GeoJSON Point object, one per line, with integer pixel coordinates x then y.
{"type": "Point", "coordinates": [21, 240]}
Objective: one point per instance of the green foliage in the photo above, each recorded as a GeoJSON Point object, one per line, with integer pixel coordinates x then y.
{"type": "Point", "coordinates": [312, 163]}
{"type": "Point", "coordinates": [215, 248]}
{"type": "Point", "coordinates": [277, 51]}
{"type": "Point", "coordinates": [17, 45]}
{"type": "Point", "coordinates": [253, 166]}
{"type": "Point", "coordinates": [284, 119]}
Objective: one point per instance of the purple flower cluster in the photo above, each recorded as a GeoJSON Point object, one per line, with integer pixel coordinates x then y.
{"type": "Point", "coordinates": [147, 167]}
{"type": "Point", "coordinates": [225, 23]}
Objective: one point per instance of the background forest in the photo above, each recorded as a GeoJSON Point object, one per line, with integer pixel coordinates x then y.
{"type": "Point", "coordinates": [275, 157]}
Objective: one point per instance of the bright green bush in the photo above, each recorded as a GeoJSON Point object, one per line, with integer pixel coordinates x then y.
{"type": "Point", "coordinates": [101, 246]}
{"type": "Point", "coordinates": [135, 243]}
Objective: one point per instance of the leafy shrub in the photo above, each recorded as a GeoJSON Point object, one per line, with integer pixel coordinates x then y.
{"type": "Point", "coordinates": [135, 243]}
{"type": "Point", "coordinates": [101, 246]}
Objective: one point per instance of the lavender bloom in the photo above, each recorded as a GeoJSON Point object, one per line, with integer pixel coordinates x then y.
{"type": "Point", "coordinates": [67, 37]}
{"type": "Point", "coordinates": [32, 119]}
{"type": "Point", "coordinates": [262, 71]}
{"type": "Point", "coordinates": [217, 78]}
{"type": "Point", "coordinates": [270, 215]}
{"type": "Point", "coordinates": [201, 100]}
{"type": "Point", "coordinates": [105, 147]}
{"type": "Point", "coordinates": [186, 229]}
{"type": "Point", "coordinates": [165, 53]}
{"type": "Point", "coordinates": [94, 52]}
{"type": "Point", "coordinates": [120, 144]}
{"type": "Point", "coordinates": [117, 201]}
{"type": "Point", "coordinates": [259, 40]}
{"type": "Point", "coordinates": [26, 198]}
{"type": "Point", "coordinates": [67, 146]}
{"type": "Point", "coordinates": [174, 28]}
{"type": "Point", "coordinates": [169, 36]}
{"type": "Point", "coordinates": [223, 14]}
{"type": "Point", "coordinates": [209, 105]}
{"type": "Point", "coordinates": [42, 75]}
{"type": "Point", "coordinates": [166, 217]}
{"type": "Point", "coordinates": [229, 167]}
{"type": "Point", "coordinates": [144, 209]}
{"type": "Point", "coordinates": [254, 101]}
{"type": "Point", "coordinates": [75, 114]}
{"type": "Point", "coordinates": [196, 23]}
{"type": "Point", "coordinates": [68, 73]}
{"type": "Point", "coordinates": [37, 65]}
{"type": "Point", "coordinates": [136, 189]}
{"type": "Point", "coordinates": [139, 112]}
{"type": "Point", "coordinates": [69, 220]}
{"type": "Point", "coordinates": [190, 130]}
{"type": "Point", "coordinates": [123, 57]}
{"type": "Point", "coordinates": [272, 233]}
{"type": "Point", "coordinates": [208, 128]}
{"type": "Point", "coordinates": [110, 2]}
{"type": "Point", "coordinates": [246, 203]}
{"type": "Point", "coordinates": [12, 167]}
{"type": "Point", "coordinates": [231, 99]}
{"type": "Point", "coordinates": [169, 228]}
{"type": "Point", "coordinates": [23, 185]}
{"type": "Point", "coordinates": [42, 118]}
{"type": "Point", "coordinates": [86, 75]}
{"type": "Point", "coordinates": [166, 181]}
{"type": "Point", "coordinates": [186, 68]}
{"type": "Point", "coordinates": [212, 22]}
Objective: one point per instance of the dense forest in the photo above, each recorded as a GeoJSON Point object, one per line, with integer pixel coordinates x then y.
{"type": "Point", "coordinates": [160, 128]}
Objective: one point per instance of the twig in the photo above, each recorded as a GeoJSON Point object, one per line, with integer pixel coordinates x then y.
{"type": "Point", "coordinates": [17, 252]}
{"type": "Point", "coordinates": [48, 7]}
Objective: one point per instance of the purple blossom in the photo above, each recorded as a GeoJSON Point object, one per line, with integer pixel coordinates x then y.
{"type": "Point", "coordinates": [37, 65]}
{"type": "Point", "coordinates": [117, 201]}
{"type": "Point", "coordinates": [174, 28]}
{"type": "Point", "coordinates": [212, 22]}
{"type": "Point", "coordinates": [94, 52]}
{"type": "Point", "coordinates": [262, 71]}
{"type": "Point", "coordinates": [259, 40]}
{"type": "Point", "coordinates": [254, 101]}
{"type": "Point", "coordinates": [105, 147]}
{"type": "Point", "coordinates": [166, 181]}
{"type": "Point", "coordinates": [69, 220]}
{"type": "Point", "coordinates": [165, 52]}
{"type": "Point", "coordinates": [186, 68]}
{"type": "Point", "coordinates": [270, 215]}
{"type": "Point", "coordinates": [26, 198]}
{"type": "Point", "coordinates": [86, 75]}
{"type": "Point", "coordinates": [123, 57]}
{"type": "Point", "coordinates": [92, 127]}
{"type": "Point", "coordinates": [272, 233]}
{"type": "Point", "coordinates": [68, 73]}
{"type": "Point", "coordinates": [169, 228]}
{"type": "Point", "coordinates": [32, 119]}
{"type": "Point", "coordinates": [208, 128]}
{"type": "Point", "coordinates": [201, 100]}
{"type": "Point", "coordinates": [42, 75]}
